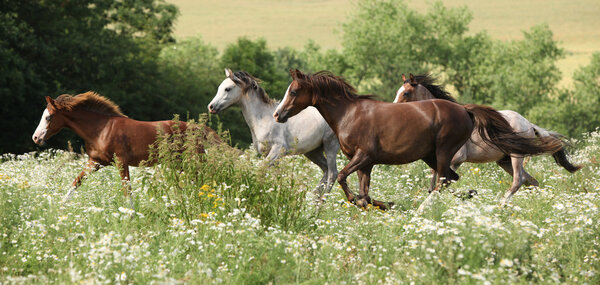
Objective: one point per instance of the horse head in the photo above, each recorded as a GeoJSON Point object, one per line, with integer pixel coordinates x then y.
{"type": "Point", "coordinates": [228, 93]}
{"type": "Point", "coordinates": [297, 97]}
{"type": "Point", "coordinates": [52, 122]}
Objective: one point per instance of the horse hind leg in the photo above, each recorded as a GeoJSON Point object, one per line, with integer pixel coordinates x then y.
{"type": "Point", "coordinates": [519, 177]}
{"type": "Point", "coordinates": [445, 176]}
{"type": "Point", "coordinates": [561, 159]}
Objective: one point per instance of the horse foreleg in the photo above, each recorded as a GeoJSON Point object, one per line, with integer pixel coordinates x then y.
{"type": "Point", "coordinates": [316, 156]}
{"type": "Point", "coordinates": [125, 179]}
{"type": "Point", "coordinates": [356, 162]}
{"type": "Point", "coordinates": [89, 167]}
{"type": "Point", "coordinates": [274, 154]}
{"type": "Point", "coordinates": [331, 146]}
{"type": "Point", "coordinates": [364, 180]}
{"type": "Point", "coordinates": [433, 180]}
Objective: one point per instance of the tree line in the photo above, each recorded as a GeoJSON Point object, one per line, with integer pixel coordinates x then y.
{"type": "Point", "coordinates": [125, 50]}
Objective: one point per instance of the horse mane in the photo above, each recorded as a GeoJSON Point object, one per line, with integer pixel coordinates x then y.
{"type": "Point", "coordinates": [251, 82]}
{"type": "Point", "coordinates": [328, 85]}
{"type": "Point", "coordinates": [438, 91]}
{"type": "Point", "coordinates": [90, 101]}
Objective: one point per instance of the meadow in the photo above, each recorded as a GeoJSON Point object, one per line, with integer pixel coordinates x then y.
{"type": "Point", "coordinates": [225, 218]}
{"type": "Point", "coordinates": [292, 23]}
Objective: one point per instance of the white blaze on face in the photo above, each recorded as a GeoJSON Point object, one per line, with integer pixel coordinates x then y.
{"type": "Point", "coordinates": [42, 128]}
{"type": "Point", "coordinates": [283, 100]}
{"type": "Point", "coordinates": [398, 94]}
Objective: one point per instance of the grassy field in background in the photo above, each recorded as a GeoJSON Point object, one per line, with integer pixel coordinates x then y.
{"type": "Point", "coordinates": [575, 24]}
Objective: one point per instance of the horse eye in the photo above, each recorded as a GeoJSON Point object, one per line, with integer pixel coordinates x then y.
{"type": "Point", "coordinates": [48, 118]}
{"type": "Point", "coordinates": [406, 94]}
{"type": "Point", "coordinates": [227, 89]}
{"type": "Point", "coordinates": [293, 93]}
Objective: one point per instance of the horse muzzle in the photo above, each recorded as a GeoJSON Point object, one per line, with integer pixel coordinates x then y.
{"type": "Point", "coordinates": [212, 108]}
{"type": "Point", "coordinates": [280, 117]}
{"type": "Point", "coordinates": [39, 140]}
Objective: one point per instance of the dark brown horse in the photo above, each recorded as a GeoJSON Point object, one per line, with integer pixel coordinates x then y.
{"type": "Point", "coordinates": [106, 131]}
{"type": "Point", "coordinates": [423, 87]}
{"type": "Point", "coordinates": [373, 132]}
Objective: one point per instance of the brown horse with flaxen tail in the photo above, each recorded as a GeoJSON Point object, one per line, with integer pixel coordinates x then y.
{"type": "Point", "coordinates": [373, 132]}
{"type": "Point", "coordinates": [107, 132]}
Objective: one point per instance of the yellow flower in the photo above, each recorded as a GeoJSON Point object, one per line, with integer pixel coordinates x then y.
{"type": "Point", "coordinates": [204, 187]}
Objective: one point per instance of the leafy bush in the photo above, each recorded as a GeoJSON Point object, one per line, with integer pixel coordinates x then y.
{"type": "Point", "coordinates": [199, 185]}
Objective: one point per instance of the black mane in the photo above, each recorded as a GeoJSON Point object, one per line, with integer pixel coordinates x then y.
{"type": "Point", "coordinates": [428, 81]}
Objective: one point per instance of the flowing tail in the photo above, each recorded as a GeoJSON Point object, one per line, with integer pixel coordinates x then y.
{"type": "Point", "coordinates": [560, 156]}
{"type": "Point", "coordinates": [498, 133]}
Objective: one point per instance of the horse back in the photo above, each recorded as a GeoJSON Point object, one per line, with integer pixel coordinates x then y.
{"type": "Point", "coordinates": [402, 133]}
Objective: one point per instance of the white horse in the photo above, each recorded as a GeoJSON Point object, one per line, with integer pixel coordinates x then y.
{"type": "Point", "coordinates": [475, 150]}
{"type": "Point", "coordinates": [307, 133]}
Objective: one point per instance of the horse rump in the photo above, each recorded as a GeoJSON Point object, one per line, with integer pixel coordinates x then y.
{"type": "Point", "coordinates": [497, 132]}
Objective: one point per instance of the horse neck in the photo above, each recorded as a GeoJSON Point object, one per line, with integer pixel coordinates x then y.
{"type": "Point", "coordinates": [335, 112]}
{"type": "Point", "coordinates": [86, 124]}
{"type": "Point", "coordinates": [257, 113]}
{"type": "Point", "coordinates": [424, 94]}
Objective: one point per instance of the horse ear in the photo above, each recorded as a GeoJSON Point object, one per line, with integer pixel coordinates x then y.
{"type": "Point", "coordinates": [403, 78]}
{"type": "Point", "coordinates": [228, 72]}
{"type": "Point", "coordinates": [51, 104]}
{"type": "Point", "coordinates": [296, 74]}
{"type": "Point", "coordinates": [412, 79]}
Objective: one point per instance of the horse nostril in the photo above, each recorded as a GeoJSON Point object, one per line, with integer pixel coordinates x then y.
{"type": "Point", "coordinates": [210, 107]}
{"type": "Point", "coordinates": [275, 115]}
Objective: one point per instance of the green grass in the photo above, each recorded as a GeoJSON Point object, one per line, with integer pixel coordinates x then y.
{"type": "Point", "coordinates": [291, 23]}
{"type": "Point", "coordinates": [259, 224]}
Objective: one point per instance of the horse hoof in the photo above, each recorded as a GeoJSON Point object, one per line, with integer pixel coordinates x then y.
{"type": "Point", "coordinates": [362, 203]}
{"type": "Point", "coordinates": [472, 193]}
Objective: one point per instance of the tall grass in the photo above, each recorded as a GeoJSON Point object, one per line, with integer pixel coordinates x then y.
{"type": "Point", "coordinates": [255, 224]}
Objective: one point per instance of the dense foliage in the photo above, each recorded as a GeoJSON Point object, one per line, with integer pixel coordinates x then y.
{"type": "Point", "coordinates": [125, 50]}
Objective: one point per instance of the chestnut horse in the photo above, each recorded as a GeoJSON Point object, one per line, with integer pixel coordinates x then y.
{"type": "Point", "coordinates": [372, 132]}
{"type": "Point", "coordinates": [423, 87]}
{"type": "Point", "coordinates": [106, 131]}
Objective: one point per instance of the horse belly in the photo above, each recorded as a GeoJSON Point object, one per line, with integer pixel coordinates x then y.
{"type": "Point", "coordinates": [405, 145]}
{"type": "Point", "coordinates": [479, 151]}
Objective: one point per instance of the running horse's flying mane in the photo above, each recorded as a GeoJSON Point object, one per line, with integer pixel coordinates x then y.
{"type": "Point", "coordinates": [107, 132]}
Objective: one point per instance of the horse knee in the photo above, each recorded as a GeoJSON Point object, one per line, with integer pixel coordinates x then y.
{"type": "Point", "coordinates": [450, 176]}
{"type": "Point", "coordinates": [341, 178]}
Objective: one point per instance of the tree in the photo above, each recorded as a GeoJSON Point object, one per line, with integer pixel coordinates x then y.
{"type": "Point", "coordinates": [385, 38]}
{"type": "Point", "coordinates": [54, 47]}
{"type": "Point", "coordinates": [575, 111]}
